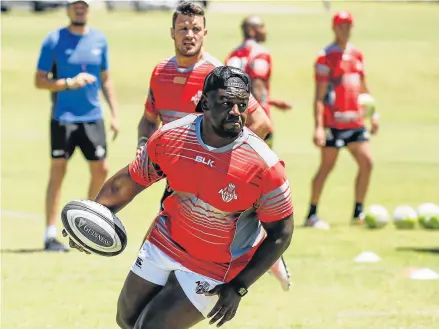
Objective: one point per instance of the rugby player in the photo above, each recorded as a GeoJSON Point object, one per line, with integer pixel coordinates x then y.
{"type": "Point", "coordinates": [254, 59]}
{"type": "Point", "coordinates": [176, 86]}
{"type": "Point", "coordinates": [228, 219]}
{"type": "Point", "coordinates": [339, 121]}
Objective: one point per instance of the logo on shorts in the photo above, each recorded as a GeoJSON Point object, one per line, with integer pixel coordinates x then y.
{"type": "Point", "coordinates": [228, 193]}
{"type": "Point", "coordinates": [139, 262]}
{"type": "Point", "coordinates": [100, 151]}
{"type": "Point", "coordinates": [202, 286]}
{"type": "Point", "coordinates": [57, 153]}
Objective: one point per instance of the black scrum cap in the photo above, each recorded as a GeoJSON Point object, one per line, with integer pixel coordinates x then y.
{"type": "Point", "coordinates": [223, 77]}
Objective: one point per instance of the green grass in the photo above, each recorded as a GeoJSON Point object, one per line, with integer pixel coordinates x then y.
{"type": "Point", "coordinates": [400, 44]}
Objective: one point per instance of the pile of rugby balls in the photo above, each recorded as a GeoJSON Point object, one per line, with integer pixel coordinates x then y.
{"type": "Point", "coordinates": [425, 215]}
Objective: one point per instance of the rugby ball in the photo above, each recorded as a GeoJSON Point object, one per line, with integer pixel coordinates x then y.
{"type": "Point", "coordinates": [428, 215]}
{"type": "Point", "coordinates": [367, 104]}
{"type": "Point", "coordinates": [376, 216]}
{"type": "Point", "coordinates": [94, 227]}
{"type": "Point", "coordinates": [405, 217]}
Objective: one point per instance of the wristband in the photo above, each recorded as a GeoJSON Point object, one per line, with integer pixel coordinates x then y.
{"type": "Point", "coordinates": [142, 141]}
{"type": "Point", "coordinates": [68, 83]}
{"type": "Point", "coordinates": [375, 115]}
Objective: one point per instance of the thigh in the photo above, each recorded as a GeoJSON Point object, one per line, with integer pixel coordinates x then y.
{"type": "Point", "coordinates": [61, 139]}
{"type": "Point", "coordinates": [361, 152]}
{"type": "Point", "coordinates": [92, 140]}
{"type": "Point", "coordinates": [169, 309]}
{"type": "Point", "coordinates": [149, 273]}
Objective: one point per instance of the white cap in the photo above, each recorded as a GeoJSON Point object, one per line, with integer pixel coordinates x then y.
{"type": "Point", "coordinates": [74, 1]}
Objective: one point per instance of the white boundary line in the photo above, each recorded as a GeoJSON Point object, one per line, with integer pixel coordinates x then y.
{"type": "Point", "coordinates": [20, 215]}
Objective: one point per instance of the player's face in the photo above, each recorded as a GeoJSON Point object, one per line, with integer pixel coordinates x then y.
{"type": "Point", "coordinates": [227, 111]}
{"type": "Point", "coordinates": [343, 31]}
{"type": "Point", "coordinates": [77, 13]}
{"type": "Point", "coordinates": [260, 33]}
{"type": "Point", "coordinates": [188, 35]}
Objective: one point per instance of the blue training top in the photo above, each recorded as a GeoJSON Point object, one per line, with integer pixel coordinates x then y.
{"type": "Point", "coordinates": [66, 55]}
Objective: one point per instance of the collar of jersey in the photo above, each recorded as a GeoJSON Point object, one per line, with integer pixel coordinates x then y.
{"type": "Point", "coordinates": [236, 143]}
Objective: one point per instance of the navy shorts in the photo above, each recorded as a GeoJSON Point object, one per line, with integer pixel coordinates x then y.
{"type": "Point", "coordinates": [339, 138]}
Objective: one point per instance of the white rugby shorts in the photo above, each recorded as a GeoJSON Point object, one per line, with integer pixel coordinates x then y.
{"type": "Point", "coordinates": [155, 266]}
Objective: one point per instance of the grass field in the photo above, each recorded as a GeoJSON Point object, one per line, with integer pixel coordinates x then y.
{"type": "Point", "coordinates": [400, 44]}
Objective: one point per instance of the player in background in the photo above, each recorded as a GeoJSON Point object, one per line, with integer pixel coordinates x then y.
{"type": "Point", "coordinates": [73, 66]}
{"type": "Point", "coordinates": [339, 121]}
{"type": "Point", "coordinates": [254, 59]}
{"type": "Point", "coordinates": [212, 241]}
{"type": "Point", "coordinates": [182, 77]}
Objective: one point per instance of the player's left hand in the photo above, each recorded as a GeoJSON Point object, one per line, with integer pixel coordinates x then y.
{"type": "Point", "coordinates": [375, 124]}
{"type": "Point", "coordinates": [281, 105]}
{"type": "Point", "coordinates": [114, 126]}
{"type": "Point", "coordinates": [227, 305]}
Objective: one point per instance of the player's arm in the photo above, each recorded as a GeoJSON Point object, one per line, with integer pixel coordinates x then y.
{"type": "Point", "coordinates": [46, 59]}
{"type": "Point", "coordinates": [108, 90]}
{"type": "Point", "coordinates": [275, 211]}
{"type": "Point", "coordinates": [141, 173]}
{"type": "Point", "coordinates": [321, 88]}
{"type": "Point", "coordinates": [257, 119]}
{"type": "Point", "coordinates": [150, 120]}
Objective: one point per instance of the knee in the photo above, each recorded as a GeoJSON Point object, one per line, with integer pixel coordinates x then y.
{"type": "Point", "coordinates": [124, 321]}
{"type": "Point", "coordinates": [100, 171]}
{"type": "Point", "coordinates": [324, 170]}
{"type": "Point", "coordinates": [150, 322]}
{"type": "Point", "coordinates": [58, 170]}
{"type": "Point", "coordinates": [366, 164]}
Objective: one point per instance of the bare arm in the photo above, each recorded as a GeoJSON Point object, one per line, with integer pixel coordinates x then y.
{"type": "Point", "coordinates": [321, 90]}
{"type": "Point", "coordinates": [118, 191]}
{"type": "Point", "coordinates": [109, 93]}
{"type": "Point", "coordinates": [148, 125]}
{"type": "Point", "coordinates": [363, 86]}
{"type": "Point", "coordinates": [279, 235]}
{"type": "Point", "coordinates": [259, 90]}
{"type": "Point", "coordinates": [42, 81]}
{"type": "Point", "coordinates": [258, 122]}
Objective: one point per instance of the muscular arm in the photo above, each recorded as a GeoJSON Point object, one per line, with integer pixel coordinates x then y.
{"type": "Point", "coordinates": [363, 86]}
{"type": "Point", "coordinates": [321, 90]}
{"type": "Point", "coordinates": [279, 235]}
{"type": "Point", "coordinates": [148, 125]}
{"type": "Point", "coordinates": [118, 191]}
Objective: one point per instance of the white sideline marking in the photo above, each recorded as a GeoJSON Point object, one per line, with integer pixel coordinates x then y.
{"type": "Point", "coordinates": [21, 215]}
{"type": "Point", "coordinates": [357, 314]}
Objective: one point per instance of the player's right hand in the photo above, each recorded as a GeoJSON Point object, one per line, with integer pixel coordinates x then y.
{"type": "Point", "coordinates": [81, 80]}
{"type": "Point", "coordinates": [72, 243]}
{"type": "Point", "coordinates": [319, 138]}
{"type": "Point", "coordinates": [226, 306]}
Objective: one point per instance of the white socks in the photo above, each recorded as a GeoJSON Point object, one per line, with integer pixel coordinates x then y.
{"type": "Point", "coordinates": [50, 232]}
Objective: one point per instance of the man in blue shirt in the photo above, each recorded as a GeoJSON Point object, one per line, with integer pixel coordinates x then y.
{"type": "Point", "coordinates": [73, 66]}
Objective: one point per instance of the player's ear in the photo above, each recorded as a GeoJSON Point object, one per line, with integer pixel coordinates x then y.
{"type": "Point", "coordinates": [172, 33]}
{"type": "Point", "coordinates": [203, 101]}
{"type": "Point", "coordinates": [205, 32]}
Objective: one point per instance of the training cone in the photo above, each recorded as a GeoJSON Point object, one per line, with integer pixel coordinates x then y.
{"type": "Point", "coordinates": [367, 257]}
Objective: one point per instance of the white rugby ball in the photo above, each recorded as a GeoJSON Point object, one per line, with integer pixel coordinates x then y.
{"type": "Point", "coordinates": [405, 217]}
{"type": "Point", "coordinates": [94, 227]}
{"type": "Point", "coordinates": [376, 216]}
{"type": "Point", "coordinates": [367, 104]}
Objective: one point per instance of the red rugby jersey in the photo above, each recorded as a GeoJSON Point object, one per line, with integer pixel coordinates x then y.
{"type": "Point", "coordinates": [343, 70]}
{"type": "Point", "coordinates": [211, 222]}
{"type": "Point", "coordinates": [174, 92]}
{"type": "Point", "coordinates": [255, 60]}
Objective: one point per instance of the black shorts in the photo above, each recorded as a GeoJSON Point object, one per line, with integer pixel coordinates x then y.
{"type": "Point", "coordinates": [89, 136]}
{"type": "Point", "coordinates": [339, 138]}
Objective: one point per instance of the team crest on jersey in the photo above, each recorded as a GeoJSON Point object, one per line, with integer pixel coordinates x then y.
{"type": "Point", "coordinates": [196, 98]}
{"type": "Point", "coordinates": [228, 193]}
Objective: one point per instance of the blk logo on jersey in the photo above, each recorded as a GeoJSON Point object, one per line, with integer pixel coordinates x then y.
{"type": "Point", "coordinates": [228, 193]}
{"type": "Point", "coordinates": [205, 161]}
